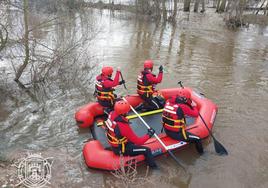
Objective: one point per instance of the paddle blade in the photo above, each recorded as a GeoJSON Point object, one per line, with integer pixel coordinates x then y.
{"type": "Point", "coordinates": [219, 148]}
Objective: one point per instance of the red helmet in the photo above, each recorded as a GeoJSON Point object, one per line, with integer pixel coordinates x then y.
{"type": "Point", "coordinates": [184, 93]}
{"type": "Point", "coordinates": [121, 107]}
{"type": "Point", "coordinates": [107, 71]}
{"type": "Point", "coordinates": [148, 64]}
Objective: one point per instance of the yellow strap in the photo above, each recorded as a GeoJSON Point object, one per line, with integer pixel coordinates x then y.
{"type": "Point", "coordinates": [175, 120]}
{"type": "Point", "coordinates": [149, 87]}
{"type": "Point", "coordinates": [104, 97]}
{"type": "Point", "coordinates": [121, 141]}
{"type": "Point", "coordinates": [179, 127]}
{"type": "Point", "coordinates": [105, 92]}
{"type": "Point", "coordinates": [184, 133]}
{"type": "Point", "coordinates": [123, 147]}
{"type": "Point", "coordinates": [150, 91]}
{"type": "Point", "coordinates": [116, 140]}
{"type": "Point", "coordinates": [176, 126]}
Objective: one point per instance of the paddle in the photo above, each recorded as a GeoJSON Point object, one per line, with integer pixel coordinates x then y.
{"type": "Point", "coordinates": [180, 83]}
{"type": "Point", "coordinates": [148, 127]}
{"type": "Point", "coordinates": [219, 148]}
{"type": "Point", "coordinates": [123, 80]}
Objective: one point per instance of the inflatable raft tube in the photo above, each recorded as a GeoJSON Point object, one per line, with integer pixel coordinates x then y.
{"type": "Point", "coordinates": [97, 153]}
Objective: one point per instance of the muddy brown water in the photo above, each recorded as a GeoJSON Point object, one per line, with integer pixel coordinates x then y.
{"type": "Point", "coordinates": [229, 67]}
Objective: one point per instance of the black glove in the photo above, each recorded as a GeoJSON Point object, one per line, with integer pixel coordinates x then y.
{"type": "Point", "coordinates": [122, 82]}
{"type": "Point", "coordinates": [161, 68]}
{"type": "Point", "coordinates": [151, 132]}
{"type": "Point", "coordinates": [189, 103]}
{"type": "Point", "coordinates": [180, 100]}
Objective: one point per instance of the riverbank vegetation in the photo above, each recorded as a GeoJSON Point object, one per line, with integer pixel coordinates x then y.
{"type": "Point", "coordinates": [167, 10]}
{"type": "Point", "coordinates": [34, 59]}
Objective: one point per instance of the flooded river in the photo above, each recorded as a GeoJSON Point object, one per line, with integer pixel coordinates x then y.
{"type": "Point", "coordinates": [229, 67]}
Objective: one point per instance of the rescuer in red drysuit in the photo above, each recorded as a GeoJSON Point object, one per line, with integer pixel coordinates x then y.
{"type": "Point", "coordinates": [122, 138]}
{"type": "Point", "coordinates": [146, 84]}
{"type": "Point", "coordinates": [104, 87]}
{"type": "Point", "coordinates": [174, 122]}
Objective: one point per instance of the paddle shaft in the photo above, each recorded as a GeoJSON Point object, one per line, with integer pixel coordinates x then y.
{"type": "Point", "coordinates": [159, 140]}
{"type": "Point", "coordinates": [220, 149]}
{"type": "Point", "coordinates": [180, 83]}
{"type": "Point", "coordinates": [123, 79]}
{"type": "Point", "coordinates": [206, 126]}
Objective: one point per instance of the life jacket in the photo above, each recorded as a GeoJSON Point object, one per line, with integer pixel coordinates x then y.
{"type": "Point", "coordinates": [113, 134]}
{"type": "Point", "coordinates": [143, 84]}
{"type": "Point", "coordinates": [102, 93]}
{"type": "Point", "coordinates": [173, 121]}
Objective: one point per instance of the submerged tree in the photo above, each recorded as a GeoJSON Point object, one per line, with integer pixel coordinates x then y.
{"type": "Point", "coordinates": [3, 32]}
{"type": "Point", "coordinates": [222, 6]}
{"type": "Point", "coordinates": [25, 41]}
{"type": "Point", "coordinates": [235, 13]}
{"type": "Point", "coordinates": [3, 36]}
{"type": "Point", "coordinates": [35, 59]}
{"type": "Point", "coordinates": [186, 5]}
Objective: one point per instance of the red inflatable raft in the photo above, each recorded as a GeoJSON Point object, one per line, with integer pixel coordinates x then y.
{"type": "Point", "coordinates": [97, 153]}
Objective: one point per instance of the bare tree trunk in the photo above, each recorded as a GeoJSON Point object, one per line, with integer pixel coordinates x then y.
{"type": "Point", "coordinates": [218, 6]}
{"type": "Point", "coordinates": [196, 5]}
{"type": "Point", "coordinates": [241, 7]}
{"type": "Point", "coordinates": [222, 6]}
{"type": "Point", "coordinates": [214, 3]}
{"type": "Point", "coordinates": [228, 6]}
{"type": "Point", "coordinates": [186, 6]}
{"type": "Point", "coordinates": [266, 9]}
{"type": "Point", "coordinates": [181, 51]}
{"type": "Point", "coordinates": [260, 7]}
{"type": "Point", "coordinates": [164, 9]}
{"type": "Point", "coordinates": [203, 6]}
{"type": "Point", "coordinates": [163, 26]}
{"type": "Point", "coordinates": [157, 8]}
{"type": "Point", "coordinates": [25, 40]}
{"type": "Point", "coordinates": [175, 9]}
{"type": "Point", "coordinates": [172, 36]}
{"type": "Point", "coordinates": [142, 6]}
{"type": "Point", "coordinates": [236, 13]}
{"type": "Point", "coordinates": [136, 5]}
{"type": "Point", "coordinates": [3, 36]}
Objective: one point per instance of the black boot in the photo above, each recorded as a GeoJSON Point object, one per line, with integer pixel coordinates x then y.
{"type": "Point", "coordinates": [199, 147]}
{"type": "Point", "coordinates": [154, 167]}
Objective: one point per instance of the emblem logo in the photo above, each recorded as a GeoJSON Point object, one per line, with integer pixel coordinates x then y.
{"type": "Point", "coordinates": [34, 171]}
